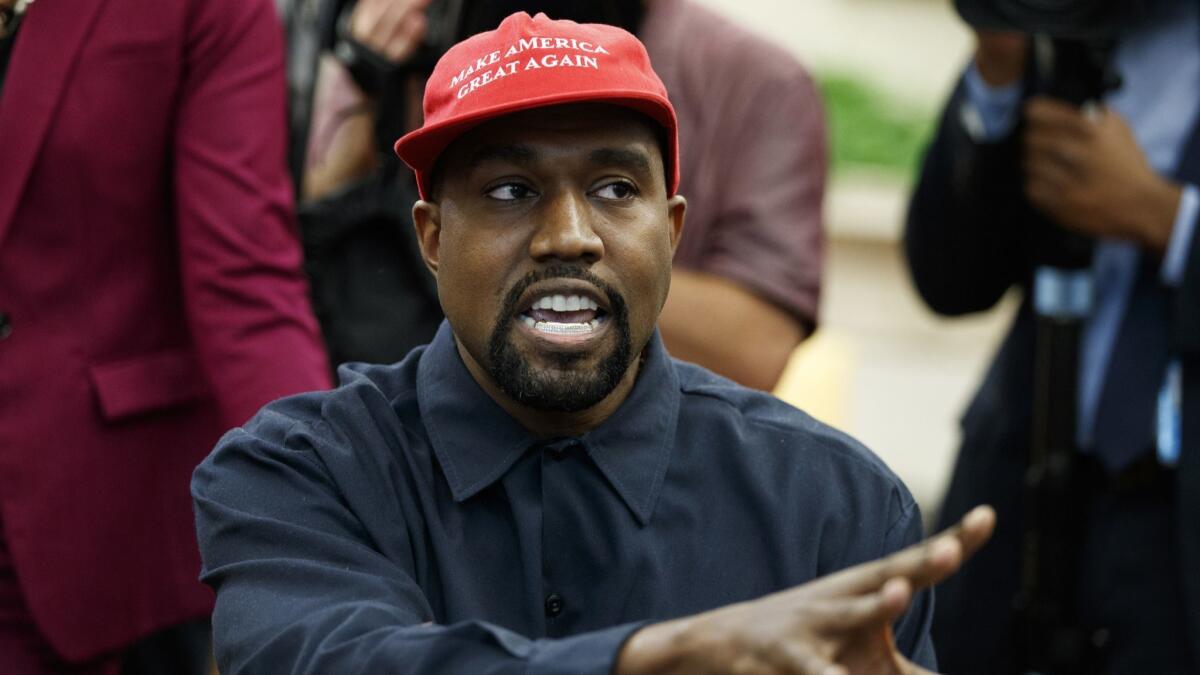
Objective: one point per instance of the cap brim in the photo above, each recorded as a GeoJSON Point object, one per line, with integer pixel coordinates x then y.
{"type": "Point", "coordinates": [419, 149]}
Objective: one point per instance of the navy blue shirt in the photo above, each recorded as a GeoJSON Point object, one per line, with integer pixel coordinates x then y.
{"type": "Point", "coordinates": [405, 523]}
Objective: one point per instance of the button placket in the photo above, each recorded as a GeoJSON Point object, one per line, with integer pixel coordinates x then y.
{"type": "Point", "coordinates": [556, 458]}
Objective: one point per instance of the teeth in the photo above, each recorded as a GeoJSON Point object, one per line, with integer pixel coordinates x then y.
{"type": "Point", "coordinates": [565, 303]}
{"type": "Point", "coordinates": [555, 328]}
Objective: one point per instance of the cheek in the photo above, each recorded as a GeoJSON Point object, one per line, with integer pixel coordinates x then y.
{"type": "Point", "coordinates": [473, 277]}
{"type": "Point", "coordinates": [648, 276]}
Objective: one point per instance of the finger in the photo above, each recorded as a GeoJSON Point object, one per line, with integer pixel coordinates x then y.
{"type": "Point", "coordinates": [1043, 197]}
{"type": "Point", "coordinates": [797, 657]}
{"type": "Point", "coordinates": [923, 564]}
{"type": "Point", "coordinates": [1049, 172]}
{"type": "Point", "coordinates": [750, 664]}
{"type": "Point", "coordinates": [364, 17]}
{"type": "Point", "coordinates": [974, 530]}
{"type": "Point", "coordinates": [1056, 117]}
{"type": "Point", "coordinates": [1044, 146]}
{"type": "Point", "coordinates": [388, 24]}
{"type": "Point", "coordinates": [408, 36]}
{"type": "Point", "coordinates": [375, 26]}
{"type": "Point", "coordinates": [1061, 207]}
{"type": "Point", "coordinates": [909, 668]}
{"type": "Point", "coordinates": [855, 613]}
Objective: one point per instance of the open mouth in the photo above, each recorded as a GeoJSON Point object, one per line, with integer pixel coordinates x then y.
{"type": "Point", "coordinates": [564, 315]}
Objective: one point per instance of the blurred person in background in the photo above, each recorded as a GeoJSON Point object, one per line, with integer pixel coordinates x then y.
{"type": "Point", "coordinates": [151, 297]}
{"type": "Point", "coordinates": [1125, 175]}
{"type": "Point", "coordinates": [747, 272]}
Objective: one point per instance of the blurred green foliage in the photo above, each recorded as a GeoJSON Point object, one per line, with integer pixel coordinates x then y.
{"type": "Point", "coordinates": [870, 129]}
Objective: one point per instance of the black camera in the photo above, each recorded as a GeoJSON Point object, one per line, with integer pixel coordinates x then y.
{"type": "Point", "coordinates": [1062, 19]}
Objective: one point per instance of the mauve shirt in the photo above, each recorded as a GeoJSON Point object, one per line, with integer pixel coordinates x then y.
{"type": "Point", "coordinates": [753, 154]}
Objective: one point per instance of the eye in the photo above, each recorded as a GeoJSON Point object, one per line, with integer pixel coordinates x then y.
{"type": "Point", "coordinates": [509, 192]}
{"type": "Point", "coordinates": [619, 190]}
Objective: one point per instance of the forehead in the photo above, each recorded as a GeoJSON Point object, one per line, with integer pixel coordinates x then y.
{"type": "Point", "coordinates": [559, 130]}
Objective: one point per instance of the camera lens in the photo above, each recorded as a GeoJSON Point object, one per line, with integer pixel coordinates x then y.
{"type": "Point", "coordinates": [1080, 19]}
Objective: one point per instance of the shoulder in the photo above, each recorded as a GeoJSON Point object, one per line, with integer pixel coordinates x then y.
{"type": "Point", "coordinates": [781, 437]}
{"type": "Point", "coordinates": [673, 28]}
{"type": "Point", "coordinates": [372, 410]}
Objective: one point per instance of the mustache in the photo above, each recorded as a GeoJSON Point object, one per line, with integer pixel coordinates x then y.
{"type": "Point", "coordinates": [511, 309]}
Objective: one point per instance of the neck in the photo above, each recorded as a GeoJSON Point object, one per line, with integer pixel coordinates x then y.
{"type": "Point", "coordinates": [546, 424]}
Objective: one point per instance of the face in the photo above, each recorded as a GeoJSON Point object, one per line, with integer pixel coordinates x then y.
{"type": "Point", "coordinates": [551, 236]}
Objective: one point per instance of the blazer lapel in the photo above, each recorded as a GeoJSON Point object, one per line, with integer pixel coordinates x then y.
{"type": "Point", "coordinates": [50, 37]}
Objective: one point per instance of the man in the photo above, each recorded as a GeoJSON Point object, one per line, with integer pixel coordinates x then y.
{"type": "Point", "coordinates": [542, 488]}
{"type": "Point", "coordinates": [752, 256]}
{"type": "Point", "coordinates": [150, 298]}
{"type": "Point", "coordinates": [1125, 175]}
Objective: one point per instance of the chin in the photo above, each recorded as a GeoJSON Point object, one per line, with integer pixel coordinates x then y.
{"type": "Point", "coordinates": [556, 377]}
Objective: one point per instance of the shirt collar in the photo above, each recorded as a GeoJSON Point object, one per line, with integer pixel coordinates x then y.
{"type": "Point", "coordinates": [477, 442]}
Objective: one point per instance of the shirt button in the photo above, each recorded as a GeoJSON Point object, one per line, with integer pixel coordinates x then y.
{"type": "Point", "coordinates": [5, 326]}
{"type": "Point", "coordinates": [554, 605]}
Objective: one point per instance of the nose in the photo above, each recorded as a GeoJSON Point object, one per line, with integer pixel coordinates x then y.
{"type": "Point", "coordinates": [566, 230]}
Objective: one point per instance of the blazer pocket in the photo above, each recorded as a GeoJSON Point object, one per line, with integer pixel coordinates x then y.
{"type": "Point", "coordinates": [147, 383]}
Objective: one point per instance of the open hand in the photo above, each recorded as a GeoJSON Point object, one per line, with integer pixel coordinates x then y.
{"type": "Point", "coordinates": [836, 625]}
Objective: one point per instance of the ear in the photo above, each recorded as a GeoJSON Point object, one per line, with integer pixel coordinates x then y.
{"type": "Point", "coordinates": [427, 221]}
{"type": "Point", "coordinates": [676, 207]}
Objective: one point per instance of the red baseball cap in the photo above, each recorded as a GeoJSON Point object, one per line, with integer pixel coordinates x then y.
{"type": "Point", "coordinates": [532, 63]}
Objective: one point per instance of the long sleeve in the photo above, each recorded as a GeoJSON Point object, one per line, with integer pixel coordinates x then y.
{"type": "Point", "coordinates": [1182, 265]}
{"type": "Point", "coordinates": [968, 231]}
{"type": "Point", "coordinates": [912, 629]}
{"type": "Point", "coordinates": [244, 292]}
{"type": "Point", "coordinates": [301, 589]}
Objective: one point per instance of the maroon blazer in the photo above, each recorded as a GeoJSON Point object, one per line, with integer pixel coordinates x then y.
{"type": "Point", "coordinates": [150, 273]}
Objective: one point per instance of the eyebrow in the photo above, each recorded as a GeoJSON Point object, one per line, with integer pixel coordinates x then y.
{"type": "Point", "coordinates": [510, 152]}
{"type": "Point", "coordinates": [631, 159]}
{"type": "Point", "coordinates": [524, 154]}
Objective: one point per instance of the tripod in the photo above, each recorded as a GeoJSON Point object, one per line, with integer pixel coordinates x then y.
{"type": "Point", "coordinates": [1050, 639]}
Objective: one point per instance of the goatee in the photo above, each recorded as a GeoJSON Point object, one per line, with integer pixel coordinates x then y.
{"type": "Point", "coordinates": [565, 386]}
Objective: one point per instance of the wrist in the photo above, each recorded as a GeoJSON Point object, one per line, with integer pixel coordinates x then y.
{"type": "Point", "coordinates": [653, 649]}
{"type": "Point", "coordinates": [1155, 218]}
{"type": "Point", "coordinates": [998, 73]}
{"type": "Point", "coordinates": [1000, 57]}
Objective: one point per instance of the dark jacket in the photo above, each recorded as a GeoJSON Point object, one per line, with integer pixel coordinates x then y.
{"type": "Point", "coordinates": [969, 239]}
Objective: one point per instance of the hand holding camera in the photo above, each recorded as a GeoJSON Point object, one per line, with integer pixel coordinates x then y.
{"type": "Point", "coordinates": [1086, 171]}
{"type": "Point", "coordinates": [393, 29]}
{"type": "Point", "coordinates": [377, 38]}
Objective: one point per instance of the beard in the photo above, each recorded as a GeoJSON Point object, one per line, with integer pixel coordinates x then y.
{"type": "Point", "coordinates": [568, 384]}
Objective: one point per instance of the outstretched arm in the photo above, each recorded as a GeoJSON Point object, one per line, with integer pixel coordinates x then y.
{"type": "Point", "coordinates": [302, 589]}
{"type": "Point", "coordinates": [838, 624]}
